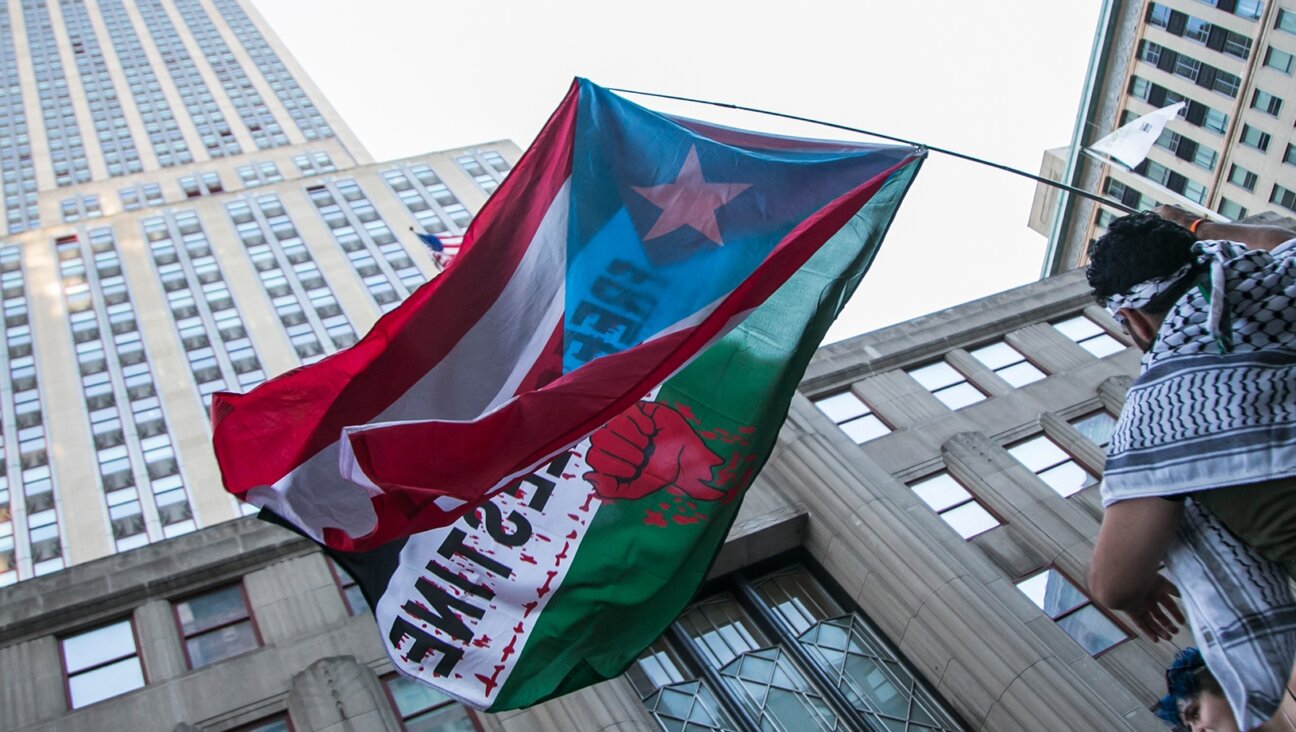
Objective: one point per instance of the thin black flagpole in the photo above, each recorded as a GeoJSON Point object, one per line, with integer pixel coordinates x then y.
{"type": "Point", "coordinates": [933, 148]}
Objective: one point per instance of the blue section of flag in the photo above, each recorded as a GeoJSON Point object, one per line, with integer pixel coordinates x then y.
{"type": "Point", "coordinates": [627, 277]}
{"type": "Point", "coordinates": [431, 241]}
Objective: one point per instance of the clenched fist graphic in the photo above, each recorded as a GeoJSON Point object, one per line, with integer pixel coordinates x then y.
{"type": "Point", "coordinates": [646, 448]}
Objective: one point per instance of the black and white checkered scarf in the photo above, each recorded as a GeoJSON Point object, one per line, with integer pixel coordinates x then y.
{"type": "Point", "coordinates": [1215, 406]}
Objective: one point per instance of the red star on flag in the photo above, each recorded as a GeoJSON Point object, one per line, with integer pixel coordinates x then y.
{"type": "Point", "coordinates": [690, 201]}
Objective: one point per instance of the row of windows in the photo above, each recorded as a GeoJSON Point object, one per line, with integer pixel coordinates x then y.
{"type": "Point", "coordinates": [1193, 28]}
{"type": "Point", "coordinates": [486, 168]}
{"type": "Point", "coordinates": [132, 444]}
{"type": "Point", "coordinates": [259, 174]}
{"type": "Point", "coordinates": [17, 172]}
{"type": "Point", "coordinates": [1249, 9]}
{"type": "Point", "coordinates": [384, 267]}
{"type": "Point", "coordinates": [30, 527]}
{"type": "Point", "coordinates": [75, 208]}
{"type": "Point", "coordinates": [218, 624]}
{"type": "Point", "coordinates": [429, 200]}
{"type": "Point", "coordinates": [159, 122]}
{"type": "Point", "coordinates": [1203, 75]}
{"type": "Point", "coordinates": [213, 129]}
{"type": "Point", "coordinates": [251, 108]}
{"type": "Point", "coordinates": [215, 341]}
{"type": "Point", "coordinates": [67, 152]}
{"type": "Point", "coordinates": [115, 140]}
{"type": "Point", "coordinates": [294, 98]}
{"type": "Point", "coordinates": [291, 278]}
{"type": "Point", "coordinates": [1194, 112]}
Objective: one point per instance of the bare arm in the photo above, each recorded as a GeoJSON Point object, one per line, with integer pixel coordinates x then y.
{"type": "Point", "coordinates": [1123, 575]}
{"type": "Point", "coordinates": [1255, 236]}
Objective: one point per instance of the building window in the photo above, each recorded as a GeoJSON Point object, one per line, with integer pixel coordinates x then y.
{"type": "Point", "coordinates": [216, 625]}
{"type": "Point", "coordinates": [1283, 197]}
{"type": "Point", "coordinates": [101, 663]}
{"type": "Point", "coordinates": [952, 502]}
{"type": "Point", "coordinates": [420, 707]}
{"type": "Point", "coordinates": [1254, 137]}
{"type": "Point", "coordinates": [277, 723]}
{"type": "Point", "coordinates": [1053, 466]}
{"type": "Point", "coordinates": [1279, 59]}
{"type": "Point", "coordinates": [1231, 210]}
{"type": "Point", "coordinates": [1089, 336]}
{"type": "Point", "coordinates": [1286, 21]}
{"type": "Point", "coordinates": [854, 417]}
{"type": "Point", "coordinates": [1008, 362]}
{"type": "Point", "coordinates": [1074, 613]}
{"type": "Point", "coordinates": [1289, 156]}
{"type": "Point", "coordinates": [1266, 102]}
{"type": "Point", "coordinates": [1096, 427]}
{"type": "Point", "coordinates": [352, 597]}
{"type": "Point", "coordinates": [757, 641]}
{"type": "Point", "coordinates": [1241, 177]}
{"type": "Point", "coordinates": [947, 385]}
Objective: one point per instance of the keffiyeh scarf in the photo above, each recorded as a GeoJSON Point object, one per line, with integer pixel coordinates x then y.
{"type": "Point", "coordinates": [1215, 406]}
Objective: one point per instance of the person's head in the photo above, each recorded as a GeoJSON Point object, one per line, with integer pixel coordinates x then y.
{"type": "Point", "coordinates": [1132, 270]}
{"type": "Point", "coordinates": [1195, 702]}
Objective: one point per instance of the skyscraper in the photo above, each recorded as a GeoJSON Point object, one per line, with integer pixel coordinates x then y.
{"type": "Point", "coordinates": [184, 213]}
{"type": "Point", "coordinates": [1230, 151]}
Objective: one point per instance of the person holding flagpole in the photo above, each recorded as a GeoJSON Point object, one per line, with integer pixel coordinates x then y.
{"type": "Point", "coordinates": [1201, 468]}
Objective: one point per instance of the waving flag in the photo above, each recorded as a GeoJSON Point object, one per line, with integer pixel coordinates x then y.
{"type": "Point", "coordinates": [564, 578]}
{"type": "Point", "coordinates": [622, 244]}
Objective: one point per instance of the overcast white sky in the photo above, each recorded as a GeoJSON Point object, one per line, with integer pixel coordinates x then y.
{"type": "Point", "coordinates": [999, 79]}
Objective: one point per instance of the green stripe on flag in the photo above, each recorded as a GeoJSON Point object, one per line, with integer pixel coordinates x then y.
{"type": "Point", "coordinates": [642, 561]}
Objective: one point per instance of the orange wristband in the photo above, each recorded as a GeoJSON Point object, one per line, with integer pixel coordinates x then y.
{"type": "Point", "coordinates": [1192, 228]}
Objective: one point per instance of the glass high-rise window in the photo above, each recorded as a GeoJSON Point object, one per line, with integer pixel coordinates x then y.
{"type": "Point", "coordinates": [300, 107]}
{"type": "Point", "coordinates": [30, 533]}
{"type": "Point", "coordinates": [139, 470]}
{"type": "Point", "coordinates": [62, 133]}
{"type": "Point", "coordinates": [428, 199]}
{"type": "Point", "coordinates": [159, 121]}
{"type": "Point", "coordinates": [115, 140]}
{"type": "Point", "coordinates": [291, 278]}
{"type": "Point", "coordinates": [17, 172]}
{"type": "Point", "coordinates": [261, 123]}
{"type": "Point", "coordinates": [314, 163]}
{"type": "Point", "coordinates": [382, 263]}
{"type": "Point", "coordinates": [216, 625]}
{"type": "Point", "coordinates": [213, 129]}
{"type": "Point", "coordinates": [211, 330]}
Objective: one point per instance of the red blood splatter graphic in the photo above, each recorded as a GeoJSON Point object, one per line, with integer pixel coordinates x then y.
{"type": "Point", "coordinates": [542, 537]}
{"type": "Point", "coordinates": [682, 519]}
{"type": "Point", "coordinates": [572, 535]}
{"type": "Point", "coordinates": [490, 682]}
{"type": "Point", "coordinates": [482, 642]}
{"type": "Point", "coordinates": [562, 554]}
{"type": "Point", "coordinates": [653, 518]}
{"type": "Point", "coordinates": [517, 628]}
{"type": "Point", "coordinates": [585, 507]}
{"type": "Point", "coordinates": [747, 430]}
{"type": "Point", "coordinates": [527, 607]}
{"type": "Point", "coordinates": [528, 558]}
{"type": "Point", "coordinates": [510, 649]}
{"type": "Point", "coordinates": [545, 588]}
{"type": "Point", "coordinates": [687, 411]}
{"type": "Point", "coordinates": [568, 476]}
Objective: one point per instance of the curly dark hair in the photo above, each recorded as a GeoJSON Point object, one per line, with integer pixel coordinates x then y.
{"type": "Point", "coordinates": [1137, 248]}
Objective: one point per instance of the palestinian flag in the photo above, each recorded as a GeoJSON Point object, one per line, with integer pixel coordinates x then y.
{"type": "Point", "coordinates": [563, 579]}
{"type": "Point", "coordinates": [697, 270]}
